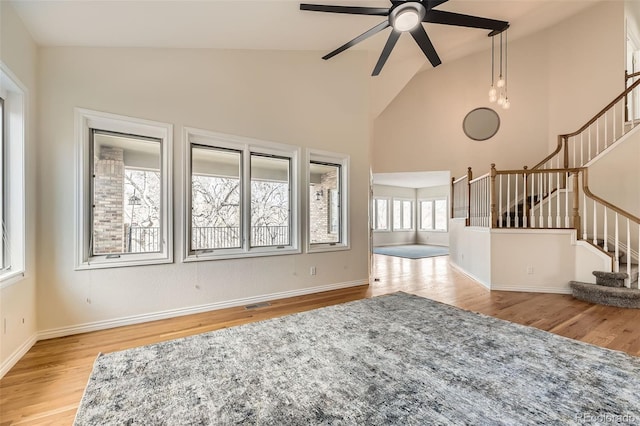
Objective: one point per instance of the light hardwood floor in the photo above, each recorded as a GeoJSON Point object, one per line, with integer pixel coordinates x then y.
{"type": "Point", "coordinates": [46, 386]}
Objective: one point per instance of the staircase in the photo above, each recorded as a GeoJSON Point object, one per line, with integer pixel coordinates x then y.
{"type": "Point", "coordinates": [555, 194]}
{"type": "Point", "coordinates": [611, 288]}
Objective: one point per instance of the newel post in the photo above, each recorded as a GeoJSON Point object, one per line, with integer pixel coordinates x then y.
{"type": "Point", "coordinates": [576, 206]}
{"type": "Point", "coordinates": [492, 192]}
{"type": "Point", "coordinates": [565, 145]}
{"type": "Point", "coordinates": [467, 221]}
{"type": "Point", "coordinates": [453, 193]}
{"type": "Point", "coordinates": [525, 213]}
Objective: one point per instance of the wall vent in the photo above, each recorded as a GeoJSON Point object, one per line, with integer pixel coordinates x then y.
{"type": "Point", "coordinates": [257, 305]}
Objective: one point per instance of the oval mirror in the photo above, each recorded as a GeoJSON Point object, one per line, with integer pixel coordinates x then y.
{"type": "Point", "coordinates": [481, 124]}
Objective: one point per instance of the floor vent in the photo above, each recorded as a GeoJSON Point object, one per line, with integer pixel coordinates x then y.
{"type": "Point", "coordinates": [257, 305]}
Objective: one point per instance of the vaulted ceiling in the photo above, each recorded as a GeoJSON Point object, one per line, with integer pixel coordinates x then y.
{"type": "Point", "coordinates": [277, 25]}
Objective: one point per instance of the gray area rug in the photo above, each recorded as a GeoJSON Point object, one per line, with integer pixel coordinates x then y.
{"type": "Point", "coordinates": [412, 251]}
{"type": "Point", "coordinates": [395, 359]}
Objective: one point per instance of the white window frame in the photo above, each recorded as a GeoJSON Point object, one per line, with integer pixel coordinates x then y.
{"type": "Point", "coordinates": [343, 161]}
{"type": "Point", "coordinates": [393, 212]}
{"type": "Point", "coordinates": [433, 214]}
{"type": "Point", "coordinates": [375, 214]}
{"type": "Point", "coordinates": [15, 97]}
{"type": "Point", "coordinates": [246, 146]}
{"type": "Point", "coordinates": [85, 121]}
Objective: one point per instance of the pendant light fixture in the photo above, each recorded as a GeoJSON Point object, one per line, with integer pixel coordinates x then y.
{"type": "Point", "coordinates": [493, 93]}
{"type": "Point", "coordinates": [498, 92]}
{"type": "Point", "coordinates": [506, 104]}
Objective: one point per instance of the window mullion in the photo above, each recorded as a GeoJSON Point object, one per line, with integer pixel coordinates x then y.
{"type": "Point", "coordinates": [245, 206]}
{"type": "Point", "coordinates": [433, 215]}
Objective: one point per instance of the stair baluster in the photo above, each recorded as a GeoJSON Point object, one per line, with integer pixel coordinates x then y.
{"type": "Point", "coordinates": [558, 185]}
{"type": "Point", "coordinates": [516, 219]}
{"type": "Point", "coordinates": [533, 196]}
{"type": "Point", "coordinates": [541, 198]}
{"type": "Point", "coordinates": [595, 224]}
{"type": "Point", "coordinates": [567, 222]}
{"type": "Point", "coordinates": [584, 216]}
{"type": "Point", "coordinates": [616, 261]}
{"type": "Point", "coordinates": [500, 223]}
{"type": "Point", "coordinates": [606, 231]}
{"type": "Point", "coordinates": [628, 253]}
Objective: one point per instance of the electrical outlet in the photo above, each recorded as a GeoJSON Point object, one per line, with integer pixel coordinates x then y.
{"type": "Point", "coordinates": [312, 271]}
{"type": "Point", "coordinates": [530, 270]}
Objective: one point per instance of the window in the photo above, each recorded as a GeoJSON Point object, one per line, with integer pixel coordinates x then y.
{"type": "Point", "coordinates": [124, 191]}
{"type": "Point", "coordinates": [270, 201]}
{"type": "Point", "coordinates": [243, 197]}
{"type": "Point", "coordinates": [380, 214]}
{"type": "Point", "coordinates": [402, 215]}
{"type": "Point", "coordinates": [215, 198]}
{"type": "Point", "coordinates": [12, 183]}
{"type": "Point", "coordinates": [433, 215]}
{"type": "Point", "coordinates": [327, 201]}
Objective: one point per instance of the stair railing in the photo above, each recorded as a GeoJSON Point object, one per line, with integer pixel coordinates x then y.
{"type": "Point", "coordinates": [538, 199]}
{"type": "Point", "coordinates": [518, 199]}
{"type": "Point", "coordinates": [615, 120]}
{"type": "Point", "coordinates": [524, 199]}
{"type": "Point", "coordinates": [610, 228]}
{"type": "Point", "coordinates": [480, 201]}
{"type": "Point", "coordinates": [460, 197]}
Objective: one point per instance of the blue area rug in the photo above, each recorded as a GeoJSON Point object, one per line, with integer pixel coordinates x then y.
{"type": "Point", "coordinates": [414, 251]}
{"type": "Point", "coordinates": [391, 360]}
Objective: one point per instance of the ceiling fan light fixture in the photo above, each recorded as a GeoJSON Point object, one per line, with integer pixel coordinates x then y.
{"type": "Point", "coordinates": [406, 16]}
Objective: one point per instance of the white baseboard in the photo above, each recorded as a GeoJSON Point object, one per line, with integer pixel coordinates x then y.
{"type": "Point", "coordinates": [137, 319]}
{"type": "Point", "coordinates": [17, 355]}
{"type": "Point", "coordinates": [536, 289]}
{"type": "Point", "coordinates": [470, 275]}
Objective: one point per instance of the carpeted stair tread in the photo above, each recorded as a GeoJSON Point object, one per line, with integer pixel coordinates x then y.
{"type": "Point", "coordinates": [614, 275]}
{"type": "Point", "coordinates": [621, 297]}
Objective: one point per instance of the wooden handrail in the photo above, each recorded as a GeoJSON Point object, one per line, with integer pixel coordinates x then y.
{"type": "Point", "coordinates": [563, 139]}
{"type": "Point", "coordinates": [632, 75]}
{"type": "Point", "coordinates": [603, 111]}
{"type": "Point", "coordinates": [588, 193]}
{"type": "Point", "coordinates": [486, 175]}
{"type": "Point", "coordinates": [538, 171]}
{"type": "Point", "coordinates": [553, 154]}
{"type": "Point", "coordinates": [460, 179]}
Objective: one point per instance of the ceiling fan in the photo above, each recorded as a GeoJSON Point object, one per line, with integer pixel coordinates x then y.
{"type": "Point", "coordinates": [406, 16]}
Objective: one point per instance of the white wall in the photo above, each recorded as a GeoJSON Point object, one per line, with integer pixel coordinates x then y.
{"type": "Point", "coordinates": [542, 260]}
{"type": "Point", "coordinates": [558, 79]}
{"type": "Point", "coordinates": [586, 66]}
{"type": "Point", "coordinates": [18, 301]}
{"type": "Point", "coordinates": [271, 95]}
{"type": "Point", "coordinates": [616, 176]}
{"type": "Point", "coordinates": [532, 260]}
{"type": "Point", "coordinates": [391, 237]}
{"type": "Point", "coordinates": [437, 238]}
{"type": "Point", "coordinates": [470, 250]}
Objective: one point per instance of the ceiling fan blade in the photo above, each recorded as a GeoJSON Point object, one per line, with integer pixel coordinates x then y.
{"type": "Point", "coordinates": [353, 10]}
{"type": "Point", "coordinates": [421, 37]}
{"type": "Point", "coordinates": [433, 3]}
{"type": "Point", "coordinates": [391, 42]}
{"type": "Point", "coordinates": [460, 20]}
{"type": "Point", "coordinates": [381, 26]}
